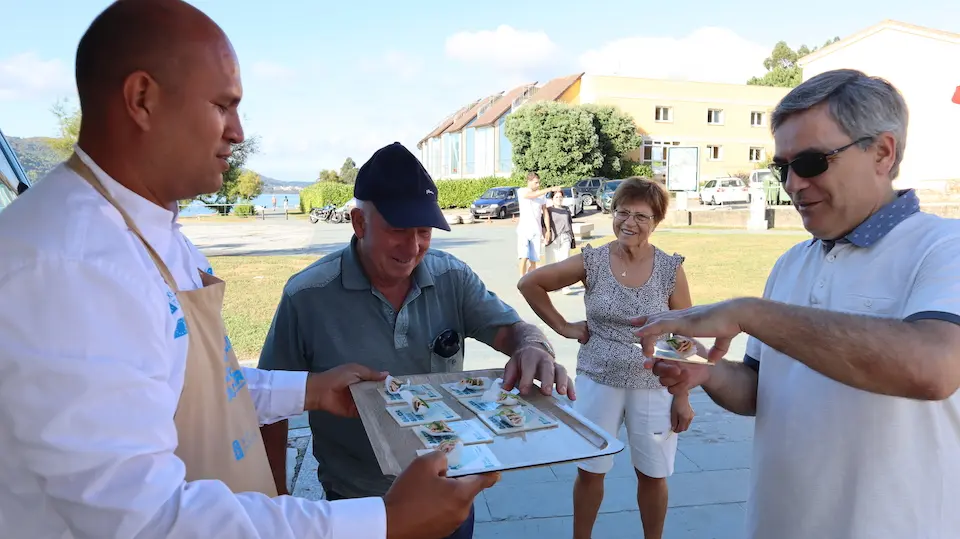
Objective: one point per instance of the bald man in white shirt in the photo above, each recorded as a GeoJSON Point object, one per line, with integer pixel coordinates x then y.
{"type": "Point", "coordinates": [116, 419]}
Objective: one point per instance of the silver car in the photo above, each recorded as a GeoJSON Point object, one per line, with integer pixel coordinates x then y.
{"type": "Point", "coordinates": [571, 202]}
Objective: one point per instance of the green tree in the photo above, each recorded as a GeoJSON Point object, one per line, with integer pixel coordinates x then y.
{"type": "Point", "coordinates": [229, 193]}
{"type": "Point", "coordinates": [328, 175]}
{"type": "Point", "coordinates": [556, 140]}
{"type": "Point", "coordinates": [249, 185]}
{"type": "Point", "coordinates": [68, 127]}
{"type": "Point", "coordinates": [617, 136]}
{"type": "Point", "coordinates": [783, 69]}
{"type": "Point", "coordinates": [348, 172]}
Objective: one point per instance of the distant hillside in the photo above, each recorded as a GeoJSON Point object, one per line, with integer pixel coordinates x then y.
{"type": "Point", "coordinates": [38, 158]}
{"type": "Point", "coordinates": [271, 185]}
{"type": "Point", "coordinates": [35, 155]}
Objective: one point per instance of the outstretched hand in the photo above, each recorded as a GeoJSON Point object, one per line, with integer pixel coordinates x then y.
{"type": "Point", "coordinates": [718, 320]}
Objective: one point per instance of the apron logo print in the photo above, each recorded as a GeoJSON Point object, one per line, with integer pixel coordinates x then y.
{"type": "Point", "coordinates": [181, 329]}
{"type": "Point", "coordinates": [235, 382]}
{"type": "Point", "coordinates": [174, 304]}
{"type": "Point", "coordinates": [239, 446]}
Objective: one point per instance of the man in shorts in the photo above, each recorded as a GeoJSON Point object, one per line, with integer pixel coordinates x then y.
{"type": "Point", "coordinates": [532, 199]}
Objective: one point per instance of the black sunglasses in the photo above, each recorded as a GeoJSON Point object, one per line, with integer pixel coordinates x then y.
{"type": "Point", "coordinates": [810, 164]}
{"type": "Point", "coordinates": [446, 344]}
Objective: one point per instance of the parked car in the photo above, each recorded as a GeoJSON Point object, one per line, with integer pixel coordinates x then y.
{"type": "Point", "coordinates": [605, 194]}
{"type": "Point", "coordinates": [497, 202]}
{"type": "Point", "coordinates": [724, 191]}
{"type": "Point", "coordinates": [773, 190]}
{"type": "Point", "coordinates": [13, 179]}
{"type": "Point", "coordinates": [587, 190]}
{"type": "Point", "coordinates": [572, 202]}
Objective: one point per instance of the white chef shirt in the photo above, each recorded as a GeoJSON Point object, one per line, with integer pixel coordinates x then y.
{"type": "Point", "coordinates": [92, 359]}
{"type": "Point", "coordinates": [832, 461]}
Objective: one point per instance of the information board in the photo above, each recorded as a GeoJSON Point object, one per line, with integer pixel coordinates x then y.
{"type": "Point", "coordinates": [683, 168]}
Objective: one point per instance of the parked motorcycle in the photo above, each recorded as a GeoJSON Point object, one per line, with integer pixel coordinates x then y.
{"type": "Point", "coordinates": [321, 214]}
{"type": "Point", "coordinates": [340, 216]}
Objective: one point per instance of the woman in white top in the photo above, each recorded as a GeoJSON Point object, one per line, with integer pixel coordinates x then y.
{"type": "Point", "coordinates": [625, 278]}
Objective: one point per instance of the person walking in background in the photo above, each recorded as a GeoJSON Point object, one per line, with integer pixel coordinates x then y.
{"type": "Point", "coordinates": [625, 278]}
{"type": "Point", "coordinates": [558, 225]}
{"type": "Point", "coordinates": [531, 200]}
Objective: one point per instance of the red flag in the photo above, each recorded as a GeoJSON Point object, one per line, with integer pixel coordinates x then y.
{"type": "Point", "coordinates": [956, 96]}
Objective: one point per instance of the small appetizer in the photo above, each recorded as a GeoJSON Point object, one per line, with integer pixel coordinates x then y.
{"type": "Point", "coordinates": [681, 345]}
{"type": "Point", "coordinates": [453, 450]}
{"type": "Point", "coordinates": [418, 405]}
{"type": "Point", "coordinates": [506, 399]}
{"type": "Point", "coordinates": [511, 416]}
{"type": "Point", "coordinates": [439, 427]}
{"type": "Point", "coordinates": [474, 384]}
{"type": "Point", "coordinates": [394, 385]}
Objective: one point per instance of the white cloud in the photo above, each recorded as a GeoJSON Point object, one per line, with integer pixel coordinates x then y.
{"type": "Point", "coordinates": [26, 76]}
{"type": "Point", "coordinates": [505, 48]}
{"type": "Point", "coordinates": [707, 55]}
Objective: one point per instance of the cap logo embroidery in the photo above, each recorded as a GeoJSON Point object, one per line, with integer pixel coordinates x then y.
{"type": "Point", "coordinates": [429, 192]}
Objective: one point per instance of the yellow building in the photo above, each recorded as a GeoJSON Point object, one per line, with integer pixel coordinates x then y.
{"type": "Point", "coordinates": [729, 123]}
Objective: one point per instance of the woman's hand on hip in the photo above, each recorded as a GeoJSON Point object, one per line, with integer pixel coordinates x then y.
{"type": "Point", "coordinates": [576, 330]}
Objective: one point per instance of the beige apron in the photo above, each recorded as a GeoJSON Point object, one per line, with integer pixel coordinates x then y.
{"type": "Point", "coordinates": [217, 425]}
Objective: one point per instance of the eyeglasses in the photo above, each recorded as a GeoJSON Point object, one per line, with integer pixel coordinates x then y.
{"type": "Point", "coordinates": [639, 218]}
{"type": "Point", "coordinates": [810, 164]}
{"type": "Point", "coordinates": [446, 344]}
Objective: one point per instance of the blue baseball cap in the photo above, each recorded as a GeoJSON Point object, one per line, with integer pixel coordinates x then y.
{"type": "Point", "coordinates": [401, 189]}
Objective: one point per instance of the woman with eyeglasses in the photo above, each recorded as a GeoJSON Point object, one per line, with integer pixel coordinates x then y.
{"type": "Point", "coordinates": [624, 279]}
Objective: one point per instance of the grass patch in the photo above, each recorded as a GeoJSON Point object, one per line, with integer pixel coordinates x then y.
{"type": "Point", "coordinates": [719, 267]}
{"type": "Point", "coordinates": [254, 284]}
{"type": "Point", "coordinates": [723, 266]}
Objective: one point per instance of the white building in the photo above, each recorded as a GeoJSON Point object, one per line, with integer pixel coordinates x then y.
{"type": "Point", "coordinates": [924, 64]}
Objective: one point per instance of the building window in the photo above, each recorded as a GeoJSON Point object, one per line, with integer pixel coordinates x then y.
{"type": "Point", "coordinates": [715, 116]}
{"type": "Point", "coordinates": [664, 114]}
{"type": "Point", "coordinates": [756, 119]}
{"type": "Point", "coordinates": [455, 154]}
{"type": "Point", "coordinates": [756, 155]}
{"type": "Point", "coordinates": [470, 166]}
{"type": "Point", "coordinates": [505, 161]}
{"type": "Point", "coordinates": [655, 151]}
{"type": "Point", "coordinates": [714, 153]}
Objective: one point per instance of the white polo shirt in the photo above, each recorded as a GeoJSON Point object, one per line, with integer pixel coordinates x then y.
{"type": "Point", "coordinates": [831, 461]}
{"type": "Point", "coordinates": [92, 358]}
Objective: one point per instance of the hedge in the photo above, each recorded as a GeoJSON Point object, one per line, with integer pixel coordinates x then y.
{"type": "Point", "coordinates": [451, 193]}
{"type": "Point", "coordinates": [320, 194]}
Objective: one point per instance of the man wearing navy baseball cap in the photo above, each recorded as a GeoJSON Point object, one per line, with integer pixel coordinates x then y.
{"type": "Point", "coordinates": [390, 302]}
{"type": "Point", "coordinates": [401, 189]}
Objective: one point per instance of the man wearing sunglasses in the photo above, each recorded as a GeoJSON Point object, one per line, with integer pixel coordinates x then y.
{"type": "Point", "coordinates": [391, 303]}
{"type": "Point", "coordinates": [853, 357]}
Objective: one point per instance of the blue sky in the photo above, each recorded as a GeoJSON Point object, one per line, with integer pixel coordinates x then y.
{"type": "Point", "coordinates": [324, 80]}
